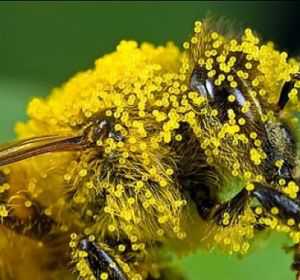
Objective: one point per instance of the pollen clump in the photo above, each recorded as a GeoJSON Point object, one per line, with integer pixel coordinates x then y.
{"type": "Point", "coordinates": [130, 191]}
{"type": "Point", "coordinates": [164, 133]}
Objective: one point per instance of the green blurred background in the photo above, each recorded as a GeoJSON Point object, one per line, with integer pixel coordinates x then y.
{"type": "Point", "coordinates": [44, 43]}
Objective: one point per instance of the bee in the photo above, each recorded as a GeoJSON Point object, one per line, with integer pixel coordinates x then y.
{"type": "Point", "coordinates": [154, 150]}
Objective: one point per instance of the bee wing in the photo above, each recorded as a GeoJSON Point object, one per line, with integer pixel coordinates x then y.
{"type": "Point", "coordinates": [27, 148]}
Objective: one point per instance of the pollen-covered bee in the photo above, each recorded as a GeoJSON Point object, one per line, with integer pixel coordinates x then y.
{"type": "Point", "coordinates": [155, 150]}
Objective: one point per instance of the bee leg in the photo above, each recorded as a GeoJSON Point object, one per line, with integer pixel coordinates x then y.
{"type": "Point", "coordinates": [234, 207]}
{"type": "Point", "coordinates": [100, 261]}
{"type": "Point", "coordinates": [35, 226]}
{"type": "Point", "coordinates": [288, 208]}
{"type": "Point", "coordinates": [269, 198]}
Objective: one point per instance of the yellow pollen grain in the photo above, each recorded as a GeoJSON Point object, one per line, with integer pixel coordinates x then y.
{"type": "Point", "coordinates": [186, 45]}
{"type": "Point", "coordinates": [104, 276]}
{"type": "Point", "coordinates": [28, 203]}
{"type": "Point", "coordinates": [282, 182]}
{"type": "Point", "coordinates": [274, 210]}
{"type": "Point", "coordinates": [82, 172]}
{"type": "Point", "coordinates": [231, 98]}
{"type": "Point", "coordinates": [258, 210]}
{"type": "Point", "coordinates": [279, 163]}
{"type": "Point", "coordinates": [122, 248]}
{"type": "Point", "coordinates": [291, 222]}
{"type": "Point", "coordinates": [253, 135]}
{"type": "Point", "coordinates": [241, 121]}
{"type": "Point", "coordinates": [250, 187]}
{"type": "Point", "coordinates": [169, 171]}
